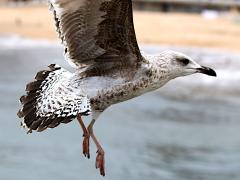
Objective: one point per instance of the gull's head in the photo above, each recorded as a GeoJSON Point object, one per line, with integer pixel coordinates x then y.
{"type": "Point", "coordinates": [182, 65]}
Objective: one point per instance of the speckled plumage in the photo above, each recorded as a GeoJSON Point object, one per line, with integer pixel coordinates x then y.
{"type": "Point", "coordinates": [100, 42]}
{"type": "Point", "coordinates": [97, 34]}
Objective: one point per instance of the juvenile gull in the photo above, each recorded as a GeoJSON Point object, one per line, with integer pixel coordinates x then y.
{"type": "Point", "coordinates": [100, 42]}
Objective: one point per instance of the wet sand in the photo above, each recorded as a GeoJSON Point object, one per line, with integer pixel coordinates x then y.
{"type": "Point", "coordinates": [151, 27]}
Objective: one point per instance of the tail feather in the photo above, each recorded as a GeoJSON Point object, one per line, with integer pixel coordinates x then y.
{"type": "Point", "coordinates": [50, 101]}
{"type": "Point", "coordinates": [26, 99]}
{"type": "Point", "coordinates": [33, 86]}
{"type": "Point", "coordinates": [41, 75]}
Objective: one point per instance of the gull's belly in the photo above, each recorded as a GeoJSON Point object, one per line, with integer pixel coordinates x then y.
{"type": "Point", "coordinates": [105, 91]}
{"type": "Point", "coordinates": [119, 93]}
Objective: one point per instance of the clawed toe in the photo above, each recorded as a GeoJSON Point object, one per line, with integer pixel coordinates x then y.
{"type": "Point", "coordinates": [86, 151]}
{"type": "Point", "coordinates": [100, 162]}
{"type": "Point", "coordinates": [87, 133]}
{"type": "Point", "coordinates": [86, 136]}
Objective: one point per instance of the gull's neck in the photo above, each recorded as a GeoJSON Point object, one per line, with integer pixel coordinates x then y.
{"type": "Point", "coordinates": [150, 76]}
{"type": "Point", "coordinates": [157, 70]}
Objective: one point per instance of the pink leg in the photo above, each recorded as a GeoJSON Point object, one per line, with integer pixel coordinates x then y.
{"type": "Point", "coordinates": [100, 162]}
{"type": "Point", "coordinates": [86, 136]}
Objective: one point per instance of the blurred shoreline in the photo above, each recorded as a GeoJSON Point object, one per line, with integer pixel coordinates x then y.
{"type": "Point", "coordinates": [221, 31]}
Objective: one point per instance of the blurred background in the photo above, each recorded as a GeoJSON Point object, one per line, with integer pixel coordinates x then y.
{"type": "Point", "coordinates": [187, 130]}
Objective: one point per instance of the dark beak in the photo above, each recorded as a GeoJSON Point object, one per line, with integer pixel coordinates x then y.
{"type": "Point", "coordinates": [207, 71]}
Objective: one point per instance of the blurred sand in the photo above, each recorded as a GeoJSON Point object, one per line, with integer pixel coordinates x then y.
{"type": "Point", "coordinates": [151, 27]}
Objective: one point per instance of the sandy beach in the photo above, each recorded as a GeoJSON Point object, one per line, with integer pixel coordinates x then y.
{"type": "Point", "coordinates": [151, 27]}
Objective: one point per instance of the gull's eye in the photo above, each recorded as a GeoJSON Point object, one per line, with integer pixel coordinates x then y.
{"type": "Point", "coordinates": [183, 61]}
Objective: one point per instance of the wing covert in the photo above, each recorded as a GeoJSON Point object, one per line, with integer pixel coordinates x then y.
{"type": "Point", "coordinates": [97, 34]}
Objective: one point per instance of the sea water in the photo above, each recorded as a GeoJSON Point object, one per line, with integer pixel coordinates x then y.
{"type": "Point", "coordinates": [189, 129]}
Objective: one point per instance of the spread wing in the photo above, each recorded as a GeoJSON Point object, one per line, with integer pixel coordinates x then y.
{"type": "Point", "coordinates": [98, 35]}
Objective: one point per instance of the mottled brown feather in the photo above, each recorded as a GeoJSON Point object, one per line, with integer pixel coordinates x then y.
{"type": "Point", "coordinates": [98, 35]}
{"type": "Point", "coordinates": [28, 112]}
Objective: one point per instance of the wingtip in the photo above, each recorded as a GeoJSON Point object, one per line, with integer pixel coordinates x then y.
{"type": "Point", "coordinates": [20, 114]}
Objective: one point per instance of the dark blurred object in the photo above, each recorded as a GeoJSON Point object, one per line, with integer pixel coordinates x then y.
{"type": "Point", "coordinates": [19, 0]}
{"type": "Point", "coordinates": [187, 5]}
{"type": "Point", "coordinates": [194, 6]}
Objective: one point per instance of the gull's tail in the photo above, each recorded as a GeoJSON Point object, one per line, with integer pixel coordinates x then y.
{"type": "Point", "coordinates": [51, 100]}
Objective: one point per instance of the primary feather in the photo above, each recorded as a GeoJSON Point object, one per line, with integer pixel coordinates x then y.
{"type": "Point", "coordinates": [97, 34]}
